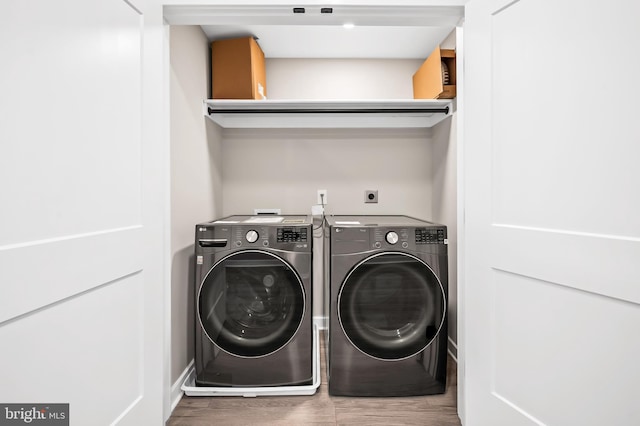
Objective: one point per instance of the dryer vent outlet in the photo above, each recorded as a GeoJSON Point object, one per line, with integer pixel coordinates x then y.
{"type": "Point", "coordinates": [371, 196]}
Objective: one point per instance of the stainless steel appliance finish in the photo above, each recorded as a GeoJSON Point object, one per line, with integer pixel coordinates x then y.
{"type": "Point", "coordinates": [253, 301]}
{"type": "Point", "coordinates": [386, 302]}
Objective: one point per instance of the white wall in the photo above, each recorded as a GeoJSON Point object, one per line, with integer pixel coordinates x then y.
{"type": "Point", "coordinates": [444, 181]}
{"type": "Point", "coordinates": [340, 78]}
{"type": "Point", "coordinates": [196, 180]}
{"type": "Point", "coordinates": [285, 168]}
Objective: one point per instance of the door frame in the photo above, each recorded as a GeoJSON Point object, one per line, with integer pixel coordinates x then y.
{"type": "Point", "coordinates": [156, 65]}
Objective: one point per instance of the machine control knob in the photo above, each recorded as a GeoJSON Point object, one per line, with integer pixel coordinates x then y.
{"type": "Point", "coordinates": [392, 237]}
{"type": "Point", "coordinates": [252, 236]}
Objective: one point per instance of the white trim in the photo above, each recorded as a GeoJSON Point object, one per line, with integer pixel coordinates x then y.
{"type": "Point", "coordinates": [461, 336]}
{"type": "Point", "coordinates": [414, 13]}
{"type": "Point", "coordinates": [568, 232]}
{"type": "Point", "coordinates": [138, 11]}
{"type": "Point", "coordinates": [320, 322]}
{"type": "Point", "coordinates": [128, 410]}
{"type": "Point", "coordinates": [103, 232]}
{"type": "Point", "coordinates": [176, 388]}
{"type": "Point", "coordinates": [516, 408]}
{"type": "Point", "coordinates": [163, 62]}
{"type": "Point", "coordinates": [452, 349]}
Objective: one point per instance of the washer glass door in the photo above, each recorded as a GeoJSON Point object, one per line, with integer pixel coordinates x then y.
{"type": "Point", "coordinates": [251, 303]}
{"type": "Point", "coordinates": [391, 306]}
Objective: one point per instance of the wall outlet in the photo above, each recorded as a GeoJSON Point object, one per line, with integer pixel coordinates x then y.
{"type": "Point", "coordinates": [322, 196]}
{"type": "Point", "coordinates": [371, 196]}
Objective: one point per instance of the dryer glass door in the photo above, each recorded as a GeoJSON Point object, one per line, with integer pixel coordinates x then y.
{"type": "Point", "coordinates": [391, 306]}
{"type": "Point", "coordinates": [251, 303]}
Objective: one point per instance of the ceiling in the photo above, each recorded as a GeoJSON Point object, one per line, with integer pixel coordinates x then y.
{"type": "Point", "coordinates": [324, 41]}
{"type": "Point", "coordinates": [396, 32]}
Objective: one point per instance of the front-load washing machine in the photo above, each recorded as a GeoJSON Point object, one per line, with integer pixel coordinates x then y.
{"type": "Point", "coordinates": [386, 302]}
{"type": "Point", "coordinates": [253, 301]}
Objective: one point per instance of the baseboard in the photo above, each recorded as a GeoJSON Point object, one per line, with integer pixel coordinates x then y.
{"type": "Point", "coordinates": [452, 348]}
{"type": "Point", "coordinates": [320, 322]}
{"type": "Point", "coordinates": [176, 389]}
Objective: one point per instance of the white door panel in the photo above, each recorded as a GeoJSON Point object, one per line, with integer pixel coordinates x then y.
{"type": "Point", "coordinates": [594, 263]}
{"type": "Point", "coordinates": [551, 212]}
{"type": "Point", "coordinates": [44, 272]}
{"type": "Point", "coordinates": [70, 119]}
{"type": "Point", "coordinates": [557, 166]}
{"type": "Point", "coordinates": [85, 350]}
{"type": "Point", "coordinates": [78, 311]}
{"type": "Point", "coordinates": [556, 349]}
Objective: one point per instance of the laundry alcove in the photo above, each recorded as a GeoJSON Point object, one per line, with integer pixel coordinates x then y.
{"type": "Point", "coordinates": [250, 156]}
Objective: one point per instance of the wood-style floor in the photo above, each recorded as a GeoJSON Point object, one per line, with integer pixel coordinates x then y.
{"type": "Point", "coordinates": [321, 409]}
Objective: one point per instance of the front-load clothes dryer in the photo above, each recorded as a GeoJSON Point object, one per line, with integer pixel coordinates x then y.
{"type": "Point", "coordinates": [253, 301]}
{"type": "Point", "coordinates": [386, 303]}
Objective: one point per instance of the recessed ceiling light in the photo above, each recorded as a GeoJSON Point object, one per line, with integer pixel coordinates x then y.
{"type": "Point", "coordinates": [349, 25]}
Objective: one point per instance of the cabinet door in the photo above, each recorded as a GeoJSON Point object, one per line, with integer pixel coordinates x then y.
{"type": "Point", "coordinates": [552, 301]}
{"type": "Point", "coordinates": [76, 307]}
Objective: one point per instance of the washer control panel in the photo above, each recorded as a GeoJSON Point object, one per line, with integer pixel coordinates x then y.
{"type": "Point", "coordinates": [292, 234]}
{"type": "Point", "coordinates": [288, 233]}
{"type": "Point", "coordinates": [430, 236]}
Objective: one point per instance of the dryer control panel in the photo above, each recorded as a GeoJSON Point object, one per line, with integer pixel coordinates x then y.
{"type": "Point", "coordinates": [390, 237]}
{"type": "Point", "coordinates": [360, 234]}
